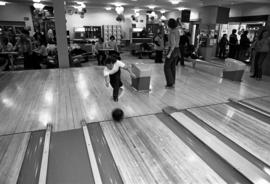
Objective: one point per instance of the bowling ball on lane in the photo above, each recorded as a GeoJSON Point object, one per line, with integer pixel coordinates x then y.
{"type": "Point", "coordinates": [118, 115]}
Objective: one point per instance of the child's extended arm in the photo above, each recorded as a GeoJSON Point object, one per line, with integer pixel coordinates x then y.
{"type": "Point", "coordinates": [129, 70]}
{"type": "Point", "coordinates": [107, 81]}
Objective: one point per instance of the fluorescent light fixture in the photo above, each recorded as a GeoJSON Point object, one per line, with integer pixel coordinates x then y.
{"type": "Point", "coordinates": [175, 1]}
{"type": "Point", "coordinates": [38, 6]}
{"type": "Point", "coordinates": [152, 7]}
{"type": "Point", "coordinates": [36, 1]}
{"type": "Point", "coordinates": [108, 8]}
{"type": "Point", "coordinates": [118, 4]}
{"type": "Point", "coordinates": [3, 3]}
{"type": "Point", "coordinates": [181, 8]}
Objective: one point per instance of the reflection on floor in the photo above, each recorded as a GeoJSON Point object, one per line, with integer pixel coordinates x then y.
{"type": "Point", "coordinates": [196, 145]}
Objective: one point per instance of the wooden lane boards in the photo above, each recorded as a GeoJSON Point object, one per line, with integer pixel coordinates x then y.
{"type": "Point", "coordinates": [30, 169]}
{"type": "Point", "coordinates": [241, 151]}
{"type": "Point", "coordinates": [106, 165]}
{"type": "Point", "coordinates": [250, 171]}
{"type": "Point", "coordinates": [250, 110]}
{"type": "Point", "coordinates": [248, 132]}
{"type": "Point", "coordinates": [260, 104]}
{"type": "Point", "coordinates": [213, 160]}
{"type": "Point", "coordinates": [12, 151]}
{"type": "Point", "coordinates": [146, 151]}
{"type": "Point", "coordinates": [68, 159]}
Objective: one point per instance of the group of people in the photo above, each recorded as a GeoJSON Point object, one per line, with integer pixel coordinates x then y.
{"type": "Point", "coordinates": [236, 51]}
{"type": "Point", "coordinates": [256, 50]}
{"type": "Point", "coordinates": [33, 49]}
{"type": "Point", "coordinates": [101, 45]}
{"type": "Point", "coordinates": [113, 66]}
{"type": "Point", "coordinates": [184, 43]}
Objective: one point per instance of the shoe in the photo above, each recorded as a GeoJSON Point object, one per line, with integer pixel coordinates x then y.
{"type": "Point", "coordinates": [252, 76]}
{"type": "Point", "coordinates": [169, 86]}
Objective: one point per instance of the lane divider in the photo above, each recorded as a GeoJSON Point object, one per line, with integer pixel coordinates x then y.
{"type": "Point", "coordinates": [249, 170]}
{"type": "Point", "coordinates": [250, 107]}
{"type": "Point", "coordinates": [45, 156]}
{"type": "Point", "coordinates": [91, 154]}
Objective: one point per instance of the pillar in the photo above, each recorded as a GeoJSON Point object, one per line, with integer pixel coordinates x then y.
{"type": "Point", "coordinates": [61, 33]}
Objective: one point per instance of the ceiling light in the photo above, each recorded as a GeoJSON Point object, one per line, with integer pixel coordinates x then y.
{"type": "Point", "coordinates": [118, 4]}
{"type": "Point", "coordinates": [181, 8]}
{"type": "Point", "coordinates": [36, 1]}
{"type": "Point", "coordinates": [163, 18]}
{"type": "Point", "coordinates": [108, 8]}
{"type": "Point", "coordinates": [162, 11]}
{"type": "Point", "coordinates": [175, 1]}
{"type": "Point", "coordinates": [119, 10]}
{"type": "Point", "coordinates": [81, 4]}
{"type": "Point", "coordinates": [38, 6]}
{"type": "Point", "coordinates": [152, 7]}
{"type": "Point", "coordinates": [2, 3]}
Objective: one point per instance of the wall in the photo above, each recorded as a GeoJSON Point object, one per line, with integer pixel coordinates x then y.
{"type": "Point", "coordinates": [250, 10]}
{"type": "Point", "coordinates": [97, 17]}
{"type": "Point", "coordinates": [16, 12]}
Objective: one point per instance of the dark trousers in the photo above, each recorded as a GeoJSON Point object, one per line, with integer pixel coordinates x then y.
{"type": "Point", "coordinates": [159, 55]}
{"type": "Point", "coordinates": [28, 61]}
{"type": "Point", "coordinates": [169, 70]}
{"type": "Point", "coordinates": [101, 56]}
{"type": "Point", "coordinates": [259, 59]}
{"type": "Point", "coordinates": [222, 52]}
{"type": "Point", "coordinates": [233, 51]}
{"type": "Point", "coordinates": [116, 83]}
{"type": "Point", "coordinates": [182, 57]}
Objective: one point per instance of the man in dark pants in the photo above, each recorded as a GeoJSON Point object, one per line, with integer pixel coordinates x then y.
{"type": "Point", "coordinates": [233, 44]}
{"type": "Point", "coordinates": [184, 42]}
{"type": "Point", "coordinates": [173, 53]}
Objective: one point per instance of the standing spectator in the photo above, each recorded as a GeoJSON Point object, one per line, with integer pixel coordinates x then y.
{"type": "Point", "coordinates": [173, 53]}
{"type": "Point", "coordinates": [244, 45]}
{"type": "Point", "coordinates": [233, 44]}
{"type": "Point", "coordinates": [5, 46]}
{"type": "Point", "coordinates": [101, 56]}
{"type": "Point", "coordinates": [222, 46]}
{"type": "Point", "coordinates": [24, 46]}
{"type": "Point", "coordinates": [262, 48]}
{"type": "Point", "coordinates": [113, 44]}
{"type": "Point", "coordinates": [183, 44]}
{"type": "Point", "coordinates": [159, 46]}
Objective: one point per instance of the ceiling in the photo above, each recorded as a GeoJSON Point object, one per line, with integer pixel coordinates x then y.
{"type": "Point", "coordinates": [160, 4]}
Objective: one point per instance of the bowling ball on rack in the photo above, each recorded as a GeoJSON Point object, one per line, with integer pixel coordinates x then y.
{"type": "Point", "coordinates": [118, 115]}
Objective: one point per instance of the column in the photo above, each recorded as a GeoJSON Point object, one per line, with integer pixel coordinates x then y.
{"type": "Point", "coordinates": [61, 33]}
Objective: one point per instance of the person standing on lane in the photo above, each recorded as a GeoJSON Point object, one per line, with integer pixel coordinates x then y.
{"type": "Point", "coordinates": [173, 53]}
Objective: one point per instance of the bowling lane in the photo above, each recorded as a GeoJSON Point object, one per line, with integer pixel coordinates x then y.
{"type": "Point", "coordinates": [30, 169]}
{"type": "Point", "coordinates": [147, 151]}
{"type": "Point", "coordinates": [260, 103]}
{"type": "Point", "coordinates": [12, 151]}
{"type": "Point", "coordinates": [68, 159]}
{"type": "Point", "coordinates": [247, 131]}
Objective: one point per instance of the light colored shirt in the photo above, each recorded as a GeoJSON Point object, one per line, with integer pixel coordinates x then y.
{"type": "Point", "coordinates": [99, 46]}
{"type": "Point", "coordinates": [160, 41]}
{"type": "Point", "coordinates": [113, 45]}
{"type": "Point", "coordinates": [117, 65]}
{"type": "Point", "coordinates": [174, 38]}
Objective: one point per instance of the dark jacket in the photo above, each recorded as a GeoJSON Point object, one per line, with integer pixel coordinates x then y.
{"type": "Point", "coordinates": [244, 42]}
{"type": "Point", "coordinates": [233, 39]}
{"type": "Point", "coordinates": [223, 42]}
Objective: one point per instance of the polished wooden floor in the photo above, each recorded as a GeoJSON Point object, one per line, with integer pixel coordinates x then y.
{"type": "Point", "coordinates": [29, 100]}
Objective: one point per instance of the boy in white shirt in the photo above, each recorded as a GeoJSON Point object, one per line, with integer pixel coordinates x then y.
{"type": "Point", "coordinates": [112, 75]}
